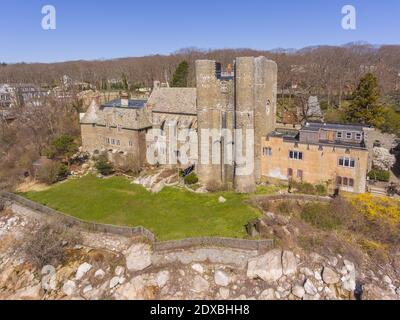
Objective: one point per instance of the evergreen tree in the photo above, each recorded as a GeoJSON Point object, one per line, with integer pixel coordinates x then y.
{"type": "Point", "coordinates": [365, 107]}
{"type": "Point", "coordinates": [180, 77]}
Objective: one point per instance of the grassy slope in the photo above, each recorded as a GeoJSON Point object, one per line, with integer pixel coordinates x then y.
{"type": "Point", "coordinates": [171, 214]}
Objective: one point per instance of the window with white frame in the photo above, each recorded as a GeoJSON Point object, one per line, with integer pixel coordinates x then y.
{"type": "Point", "coordinates": [359, 136]}
{"type": "Point", "coordinates": [339, 135]}
{"type": "Point", "coordinates": [349, 135]}
{"type": "Point", "coordinates": [267, 152]}
{"type": "Point", "coordinates": [347, 162]}
{"type": "Point", "coordinates": [295, 155]}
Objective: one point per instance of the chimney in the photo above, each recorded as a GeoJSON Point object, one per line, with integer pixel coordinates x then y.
{"type": "Point", "coordinates": [124, 100]}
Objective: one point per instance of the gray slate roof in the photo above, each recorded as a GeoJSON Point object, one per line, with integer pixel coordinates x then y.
{"type": "Point", "coordinates": [316, 126]}
{"type": "Point", "coordinates": [173, 100]}
{"type": "Point", "coordinates": [134, 104]}
{"type": "Point", "coordinates": [111, 114]}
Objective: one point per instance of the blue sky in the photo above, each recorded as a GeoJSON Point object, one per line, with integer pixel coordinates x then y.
{"type": "Point", "coordinates": [99, 29]}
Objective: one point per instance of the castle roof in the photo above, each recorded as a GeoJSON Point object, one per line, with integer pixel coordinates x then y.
{"type": "Point", "coordinates": [91, 115]}
{"type": "Point", "coordinates": [173, 100]}
{"type": "Point", "coordinates": [134, 104]}
{"type": "Point", "coordinates": [112, 114]}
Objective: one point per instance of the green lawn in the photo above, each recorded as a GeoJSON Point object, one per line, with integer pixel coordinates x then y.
{"type": "Point", "coordinates": [171, 214]}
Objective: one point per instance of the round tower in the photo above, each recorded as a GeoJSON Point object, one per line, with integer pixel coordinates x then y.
{"type": "Point", "coordinates": [209, 119]}
{"type": "Point", "coordinates": [244, 124]}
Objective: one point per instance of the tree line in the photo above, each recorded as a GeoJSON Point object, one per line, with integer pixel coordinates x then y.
{"type": "Point", "coordinates": [332, 72]}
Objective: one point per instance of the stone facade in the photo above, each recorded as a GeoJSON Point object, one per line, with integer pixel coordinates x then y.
{"type": "Point", "coordinates": [222, 104]}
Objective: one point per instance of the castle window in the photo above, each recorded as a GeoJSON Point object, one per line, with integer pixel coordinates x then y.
{"type": "Point", "coordinates": [347, 162]}
{"type": "Point", "coordinates": [267, 152]}
{"type": "Point", "coordinates": [113, 141]}
{"type": "Point", "coordinates": [359, 136]}
{"type": "Point", "coordinates": [107, 140]}
{"type": "Point", "coordinates": [345, 182]}
{"type": "Point", "coordinates": [349, 135]}
{"type": "Point", "coordinates": [295, 155]}
{"type": "Point", "coordinates": [339, 135]}
{"type": "Point", "coordinates": [118, 142]}
{"type": "Point", "coordinates": [300, 174]}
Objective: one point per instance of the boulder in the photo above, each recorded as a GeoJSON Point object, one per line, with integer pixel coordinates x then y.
{"type": "Point", "coordinates": [200, 284]}
{"type": "Point", "coordinates": [157, 188]}
{"type": "Point", "coordinates": [267, 267]}
{"type": "Point", "coordinates": [114, 282]}
{"type": "Point", "coordinates": [221, 199]}
{"type": "Point", "coordinates": [309, 288]}
{"type": "Point", "coordinates": [49, 279]}
{"type": "Point", "coordinates": [119, 271]}
{"type": "Point", "coordinates": [138, 257]}
{"type": "Point", "coordinates": [329, 276]}
{"type": "Point", "coordinates": [69, 288]}
{"type": "Point", "coordinates": [99, 274]}
{"type": "Point", "coordinates": [224, 293]}
{"type": "Point", "coordinates": [289, 263]}
{"type": "Point", "coordinates": [82, 270]}
{"type": "Point", "coordinates": [221, 278]}
{"type": "Point", "coordinates": [298, 291]}
{"type": "Point", "coordinates": [29, 293]}
{"type": "Point", "coordinates": [162, 278]}
{"type": "Point", "coordinates": [87, 289]}
{"type": "Point", "coordinates": [268, 294]}
{"type": "Point", "coordinates": [198, 268]}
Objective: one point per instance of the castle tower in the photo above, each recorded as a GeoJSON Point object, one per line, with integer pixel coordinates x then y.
{"type": "Point", "coordinates": [244, 121]}
{"type": "Point", "coordinates": [246, 102]}
{"type": "Point", "coordinates": [215, 105]}
{"type": "Point", "coordinates": [264, 106]}
{"type": "Point", "coordinates": [208, 117]}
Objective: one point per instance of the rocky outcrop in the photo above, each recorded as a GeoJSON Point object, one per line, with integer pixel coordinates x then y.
{"type": "Point", "coordinates": [111, 268]}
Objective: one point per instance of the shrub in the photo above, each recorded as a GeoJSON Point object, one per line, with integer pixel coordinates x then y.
{"type": "Point", "coordinates": [321, 190]}
{"type": "Point", "coordinates": [285, 207]}
{"type": "Point", "coordinates": [63, 171]}
{"type": "Point", "coordinates": [319, 216]}
{"type": "Point", "coordinates": [191, 179]}
{"type": "Point", "coordinates": [379, 175]}
{"type": "Point", "coordinates": [103, 166]}
{"type": "Point", "coordinates": [63, 146]}
{"type": "Point", "coordinates": [46, 246]}
{"type": "Point", "coordinates": [214, 186]}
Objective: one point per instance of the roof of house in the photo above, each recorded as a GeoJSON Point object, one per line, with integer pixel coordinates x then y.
{"type": "Point", "coordinates": [173, 100]}
{"type": "Point", "coordinates": [113, 115]}
{"type": "Point", "coordinates": [316, 126]}
{"type": "Point", "coordinates": [134, 104]}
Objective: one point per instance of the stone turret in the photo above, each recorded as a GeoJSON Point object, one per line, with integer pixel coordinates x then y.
{"type": "Point", "coordinates": [208, 117]}
{"type": "Point", "coordinates": [245, 101]}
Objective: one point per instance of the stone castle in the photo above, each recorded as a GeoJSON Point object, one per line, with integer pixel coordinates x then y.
{"type": "Point", "coordinates": [242, 100]}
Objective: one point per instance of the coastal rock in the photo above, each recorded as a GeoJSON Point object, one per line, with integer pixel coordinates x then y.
{"type": "Point", "coordinates": [138, 257]}
{"type": "Point", "coordinates": [267, 267]}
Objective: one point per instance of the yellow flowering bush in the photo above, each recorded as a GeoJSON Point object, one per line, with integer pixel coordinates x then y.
{"type": "Point", "coordinates": [377, 209]}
